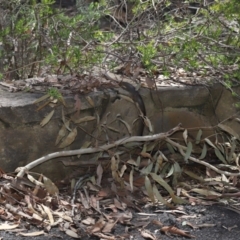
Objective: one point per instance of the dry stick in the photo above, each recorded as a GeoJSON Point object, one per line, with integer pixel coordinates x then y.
{"type": "Point", "coordinates": [180, 148]}
{"type": "Point", "coordinates": [22, 170]}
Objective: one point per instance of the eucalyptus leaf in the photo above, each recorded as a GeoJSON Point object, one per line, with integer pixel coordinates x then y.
{"type": "Point", "coordinates": [233, 147]}
{"type": "Point", "coordinates": [47, 118]}
{"type": "Point", "coordinates": [159, 196]}
{"type": "Point", "coordinates": [170, 173]}
{"type": "Point", "coordinates": [113, 129]}
{"type": "Point", "coordinates": [163, 183]}
{"type": "Point", "coordinates": [185, 136]}
{"type": "Point", "coordinates": [61, 134]}
{"type": "Point", "coordinates": [189, 151]}
{"type": "Point", "coordinates": [131, 179]}
{"type": "Point", "coordinates": [129, 129]}
{"type": "Point", "coordinates": [204, 152]}
{"type": "Point", "coordinates": [209, 142]}
{"type": "Point", "coordinates": [42, 98]}
{"type": "Point", "coordinates": [198, 137]}
{"type": "Point", "coordinates": [220, 156]}
{"type": "Point", "coordinates": [84, 119]}
{"type": "Point", "coordinates": [149, 188]}
{"type": "Point", "coordinates": [170, 148]}
{"type": "Point", "coordinates": [147, 169]}
{"type": "Point", "coordinates": [229, 130]}
{"type": "Point", "coordinates": [148, 124]}
{"type": "Point", "coordinates": [69, 139]}
{"type": "Point", "coordinates": [205, 192]}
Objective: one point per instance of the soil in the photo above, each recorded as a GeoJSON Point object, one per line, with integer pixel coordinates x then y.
{"type": "Point", "coordinates": [220, 222]}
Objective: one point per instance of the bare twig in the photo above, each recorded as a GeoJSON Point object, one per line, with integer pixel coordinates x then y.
{"type": "Point", "coordinates": [160, 136]}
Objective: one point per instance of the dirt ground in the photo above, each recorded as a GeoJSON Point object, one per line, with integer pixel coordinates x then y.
{"type": "Point", "coordinates": [218, 222]}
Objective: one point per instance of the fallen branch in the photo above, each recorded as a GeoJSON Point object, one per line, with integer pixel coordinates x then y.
{"type": "Point", "coordinates": [22, 170]}
{"type": "Point", "coordinates": [193, 159]}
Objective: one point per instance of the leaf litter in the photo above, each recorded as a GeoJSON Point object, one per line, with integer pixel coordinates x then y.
{"type": "Point", "coordinates": [181, 171]}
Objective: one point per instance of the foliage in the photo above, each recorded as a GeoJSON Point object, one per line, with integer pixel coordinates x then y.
{"type": "Point", "coordinates": [38, 37]}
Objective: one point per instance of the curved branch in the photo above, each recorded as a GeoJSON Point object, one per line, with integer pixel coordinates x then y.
{"type": "Point", "coordinates": [22, 170]}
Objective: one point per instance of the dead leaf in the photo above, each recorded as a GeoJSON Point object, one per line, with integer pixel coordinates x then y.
{"type": "Point", "coordinates": [69, 139]}
{"type": "Point", "coordinates": [84, 119]}
{"type": "Point", "coordinates": [229, 130]}
{"type": "Point", "coordinates": [77, 105]}
{"type": "Point", "coordinates": [6, 226]}
{"type": "Point", "coordinates": [88, 221]}
{"type": "Point", "coordinates": [42, 98]}
{"type": "Point", "coordinates": [185, 136]}
{"type": "Point", "coordinates": [104, 236]}
{"type": "Point", "coordinates": [62, 133]}
{"type": "Point", "coordinates": [131, 179]}
{"type": "Point", "coordinates": [50, 186]}
{"type": "Point", "coordinates": [126, 125]}
{"type": "Point", "coordinates": [90, 101]}
{"type": "Point", "coordinates": [47, 118]}
{"type": "Point", "coordinates": [49, 214]}
{"type": "Point", "coordinates": [99, 174]}
{"type": "Point", "coordinates": [99, 225]}
{"type": "Point", "coordinates": [108, 227]}
{"type": "Point", "coordinates": [148, 124]}
{"type": "Point", "coordinates": [206, 192]}
{"type": "Point", "coordinates": [176, 231]}
{"type": "Point", "coordinates": [150, 81]}
{"type": "Point", "coordinates": [32, 234]}
{"type": "Point", "coordinates": [72, 234]}
{"type": "Point", "coordinates": [147, 234]}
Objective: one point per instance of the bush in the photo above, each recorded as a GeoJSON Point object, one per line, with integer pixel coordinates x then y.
{"type": "Point", "coordinates": [159, 36]}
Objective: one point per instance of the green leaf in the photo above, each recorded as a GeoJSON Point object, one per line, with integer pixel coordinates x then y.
{"type": "Point", "coordinates": [149, 189]}
{"type": "Point", "coordinates": [209, 142]}
{"type": "Point", "coordinates": [160, 198]}
{"type": "Point", "coordinates": [233, 147]}
{"type": "Point", "coordinates": [198, 137]}
{"type": "Point", "coordinates": [170, 148]}
{"type": "Point", "coordinates": [220, 156]}
{"type": "Point", "coordinates": [170, 173]}
{"type": "Point", "coordinates": [163, 183]}
{"type": "Point", "coordinates": [204, 152]}
{"type": "Point", "coordinates": [189, 151]}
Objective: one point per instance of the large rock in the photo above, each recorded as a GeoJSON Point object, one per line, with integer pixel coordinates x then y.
{"type": "Point", "coordinates": [23, 140]}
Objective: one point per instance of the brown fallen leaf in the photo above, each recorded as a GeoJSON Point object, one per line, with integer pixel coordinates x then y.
{"type": "Point", "coordinates": [69, 139]}
{"type": "Point", "coordinates": [104, 236]}
{"type": "Point", "coordinates": [156, 222]}
{"type": "Point", "coordinates": [32, 234]}
{"type": "Point", "coordinates": [77, 105]}
{"type": "Point", "coordinates": [72, 234]}
{"type": "Point", "coordinates": [62, 133]}
{"type": "Point", "coordinates": [108, 227]}
{"type": "Point", "coordinates": [50, 186]}
{"type": "Point", "coordinates": [176, 231]}
{"type": "Point", "coordinates": [99, 174]}
{"type": "Point", "coordinates": [99, 225]}
{"type": "Point", "coordinates": [6, 226]}
{"type": "Point", "coordinates": [47, 119]}
{"type": "Point", "coordinates": [148, 235]}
